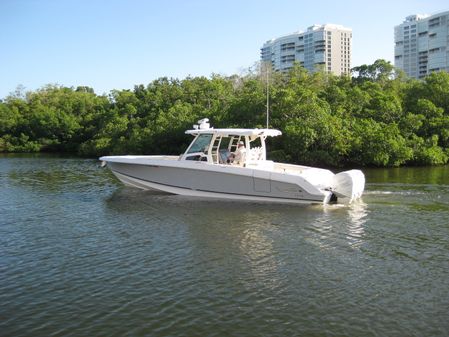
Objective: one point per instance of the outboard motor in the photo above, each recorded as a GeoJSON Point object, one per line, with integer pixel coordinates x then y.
{"type": "Point", "coordinates": [348, 184]}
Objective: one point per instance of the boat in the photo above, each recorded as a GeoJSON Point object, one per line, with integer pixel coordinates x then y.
{"type": "Point", "coordinates": [209, 168]}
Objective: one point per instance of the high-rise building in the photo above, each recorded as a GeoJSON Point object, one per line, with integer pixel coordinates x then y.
{"type": "Point", "coordinates": [326, 47]}
{"type": "Point", "coordinates": [422, 44]}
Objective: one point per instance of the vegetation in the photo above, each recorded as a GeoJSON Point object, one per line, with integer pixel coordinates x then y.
{"type": "Point", "coordinates": [376, 118]}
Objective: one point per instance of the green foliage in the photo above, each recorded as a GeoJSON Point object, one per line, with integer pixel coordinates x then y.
{"type": "Point", "coordinates": [427, 151]}
{"type": "Point", "coordinates": [379, 144]}
{"type": "Point", "coordinates": [377, 118]}
{"type": "Point", "coordinates": [380, 71]}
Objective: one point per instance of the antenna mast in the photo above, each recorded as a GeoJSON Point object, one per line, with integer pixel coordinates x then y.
{"type": "Point", "coordinates": [268, 93]}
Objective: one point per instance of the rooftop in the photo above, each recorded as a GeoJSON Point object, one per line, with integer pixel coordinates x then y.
{"type": "Point", "coordinates": [313, 28]}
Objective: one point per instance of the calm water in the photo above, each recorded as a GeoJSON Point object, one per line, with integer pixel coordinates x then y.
{"type": "Point", "coordinates": [80, 255]}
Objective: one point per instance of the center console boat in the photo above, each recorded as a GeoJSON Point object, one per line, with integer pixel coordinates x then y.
{"type": "Point", "coordinates": [208, 169]}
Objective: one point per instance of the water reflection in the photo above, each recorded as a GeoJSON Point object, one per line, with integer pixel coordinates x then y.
{"type": "Point", "coordinates": [250, 234]}
{"type": "Point", "coordinates": [258, 246]}
{"type": "Point", "coordinates": [409, 175]}
{"type": "Point", "coordinates": [57, 175]}
{"type": "Point", "coordinates": [339, 226]}
{"type": "Point", "coordinates": [357, 216]}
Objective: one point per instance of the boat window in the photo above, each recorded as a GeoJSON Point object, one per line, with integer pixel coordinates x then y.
{"type": "Point", "coordinates": [201, 143]}
{"type": "Point", "coordinates": [197, 157]}
{"type": "Point", "coordinates": [224, 144]}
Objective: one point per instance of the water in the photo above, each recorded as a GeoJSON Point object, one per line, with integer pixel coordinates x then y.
{"type": "Point", "coordinates": [80, 255]}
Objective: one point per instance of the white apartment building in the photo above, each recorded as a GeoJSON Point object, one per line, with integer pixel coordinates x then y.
{"type": "Point", "coordinates": [325, 47]}
{"type": "Point", "coordinates": [422, 44]}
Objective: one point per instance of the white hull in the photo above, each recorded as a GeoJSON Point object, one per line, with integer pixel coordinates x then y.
{"type": "Point", "coordinates": [199, 179]}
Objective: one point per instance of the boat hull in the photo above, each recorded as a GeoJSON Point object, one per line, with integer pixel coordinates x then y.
{"type": "Point", "coordinates": [199, 179]}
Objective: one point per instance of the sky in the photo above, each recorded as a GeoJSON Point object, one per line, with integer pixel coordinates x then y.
{"type": "Point", "coordinates": [116, 44]}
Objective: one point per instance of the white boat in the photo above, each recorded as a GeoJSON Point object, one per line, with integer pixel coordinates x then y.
{"type": "Point", "coordinates": [209, 169]}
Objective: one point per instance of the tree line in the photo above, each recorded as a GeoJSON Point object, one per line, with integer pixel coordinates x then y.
{"type": "Point", "coordinates": [376, 117]}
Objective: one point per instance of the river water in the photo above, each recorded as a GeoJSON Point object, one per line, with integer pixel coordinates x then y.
{"type": "Point", "coordinates": [80, 255]}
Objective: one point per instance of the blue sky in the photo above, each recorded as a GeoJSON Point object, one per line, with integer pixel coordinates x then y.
{"type": "Point", "coordinates": [116, 44]}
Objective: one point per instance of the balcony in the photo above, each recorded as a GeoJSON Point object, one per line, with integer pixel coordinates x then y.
{"type": "Point", "coordinates": [433, 24]}
{"type": "Point", "coordinates": [287, 58]}
{"type": "Point", "coordinates": [288, 46]}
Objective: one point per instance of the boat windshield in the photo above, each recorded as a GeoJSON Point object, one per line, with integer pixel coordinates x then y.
{"type": "Point", "coordinates": [201, 143]}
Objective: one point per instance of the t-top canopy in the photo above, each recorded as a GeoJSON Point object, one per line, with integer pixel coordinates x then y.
{"type": "Point", "coordinates": [236, 132]}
